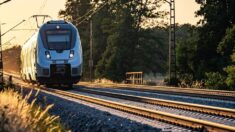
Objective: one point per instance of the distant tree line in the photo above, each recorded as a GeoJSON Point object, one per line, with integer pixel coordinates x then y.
{"type": "Point", "coordinates": [207, 52]}
{"type": "Point", "coordinates": [120, 43]}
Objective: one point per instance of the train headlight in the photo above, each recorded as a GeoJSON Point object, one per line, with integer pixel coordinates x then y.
{"type": "Point", "coordinates": [47, 53]}
{"type": "Point", "coordinates": [71, 54]}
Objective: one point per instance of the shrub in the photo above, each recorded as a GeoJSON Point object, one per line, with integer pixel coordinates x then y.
{"type": "Point", "coordinates": [186, 80]}
{"type": "Point", "coordinates": [17, 115]}
{"type": "Point", "coordinates": [230, 70]}
{"type": "Point", "coordinates": [172, 82]}
{"type": "Point", "coordinates": [230, 80]}
{"type": "Point", "coordinates": [215, 80]}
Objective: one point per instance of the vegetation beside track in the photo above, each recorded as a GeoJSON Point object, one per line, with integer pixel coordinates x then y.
{"type": "Point", "coordinates": [16, 114]}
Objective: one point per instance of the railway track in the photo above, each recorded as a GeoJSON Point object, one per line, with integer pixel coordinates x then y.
{"type": "Point", "coordinates": [194, 124]}
{"type": "Point", "coordinates": [167, 103]}
{"type": "Point", "coordinates": [204, 93]}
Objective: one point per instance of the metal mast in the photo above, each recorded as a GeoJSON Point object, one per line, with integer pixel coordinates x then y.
{"type": "Point", "coordinates": [1, 60]}
{"type": "Point", "coordinates": [43, 19]}
{"type": "Point", "coordinates": [91, 56]}
{"type": "Point", "coordinates": [172, 53]}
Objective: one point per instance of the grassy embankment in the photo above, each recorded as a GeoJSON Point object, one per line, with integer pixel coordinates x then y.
{"type": "Point", "coordinates": [16, 114]}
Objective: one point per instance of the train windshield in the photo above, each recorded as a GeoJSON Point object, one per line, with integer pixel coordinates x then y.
{"type": "Point", "coordinates": [58, 40]}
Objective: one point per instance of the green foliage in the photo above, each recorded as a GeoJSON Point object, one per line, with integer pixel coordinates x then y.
{"type": "Point", "coordinates": [186, 80]}
{"type": "Point", "coordinates": [16, 114]}
{"type": "Point", "coordinates": [120, 43]}
{"type": "Point", "coordinates": [215, 80]}
{"type": "Point", "coordinates": [152, 49]}
{"type": "Point", "coordinates": [204, 51]}
{"type": "Point", "coordinates": [74, 12]}
{"type": "Point", "coordinates": [186, 50]}
{"type": "Point", "coordinates": [129, 46]}
{"type": "Point", "coordinates": [218, 15]}
{"type": "Point", "coordinates": [227, 45]}
{"type": "Point", "coordinates": [230, 80]}
{"type": "Point", "coordinates": [228, 42]}
{"type": "Point", "coordinates": [172, 82]}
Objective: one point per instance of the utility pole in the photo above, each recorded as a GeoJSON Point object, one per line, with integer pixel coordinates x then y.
{"type": "Point", "coordinates": [88, 16]}
{"type": "Point", "coordinates": [91, 47]}
{"type": "Point", "coordinates": [172, 46]}
{"type": "Point", "coordinates": [1, 61]}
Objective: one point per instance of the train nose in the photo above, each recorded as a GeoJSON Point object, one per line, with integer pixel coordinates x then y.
{"type": "Point", "coordinates": [64, 55]}
{"type": "Point", "coordinates": [60, 69]}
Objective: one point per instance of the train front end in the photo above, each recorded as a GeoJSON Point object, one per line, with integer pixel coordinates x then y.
{"type": "Point", "coordinates": [58, 54]}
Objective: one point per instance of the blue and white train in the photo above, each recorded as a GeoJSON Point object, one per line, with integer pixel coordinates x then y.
{"type": "Point", "coordinates": [53, 55]}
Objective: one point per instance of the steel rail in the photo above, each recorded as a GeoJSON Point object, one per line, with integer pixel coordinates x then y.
{"type": "Point", "coordinates": [192, 123]}
{"type": "Point", "coordinates": [215, 94]}
{"type": "Point", "coordinates": [195, 124]}
{"type": "Point", "coordinates": [174, 104]}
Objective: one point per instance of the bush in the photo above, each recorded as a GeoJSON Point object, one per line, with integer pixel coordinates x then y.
{"type": "Point", "coordinates": [230, 70]}
{"type": "Point", "coordinates": [186, 80]}
{"type": "Point", "coordinates": [230, 81]}
{"type": "Point", "coordinates": [17, 115]}
{"type": "Point", "coordinates": [215, 80]}
{"type": "Point", "coordinates": [172, 82]}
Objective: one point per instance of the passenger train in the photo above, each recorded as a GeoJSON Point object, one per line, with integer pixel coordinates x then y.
{"type": "Point", "coordinates": [53, 55]}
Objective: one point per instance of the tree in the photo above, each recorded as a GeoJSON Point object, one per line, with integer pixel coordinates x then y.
{"type": "Point", "coordinates": [230, 80]}
{"type": "Point", "coordinates": [120, 42]}
{"type": "Point", "coordinates": [186, 49]}
{"type": "Point", "coordinates": [227, 49]}
{"type": "Point", "coordinates": [127, 44]}
{"type": "Point", "coordinates": [218, 15]}
{"type": "Point", "coordinates": [215, 80]}
{"type": "Point", "coordinates": [74, 12]}
{"type": "Point", "coordinates": [152, 52]}
{"type": "Point", "coordinates": [227, 45]}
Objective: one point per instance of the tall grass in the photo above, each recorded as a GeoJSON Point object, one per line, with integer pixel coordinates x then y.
{"type": "Point", "coordinates": [18, 115]}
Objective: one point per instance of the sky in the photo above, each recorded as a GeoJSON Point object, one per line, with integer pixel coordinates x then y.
{"type": "Point", "coordinates": [15, 11]}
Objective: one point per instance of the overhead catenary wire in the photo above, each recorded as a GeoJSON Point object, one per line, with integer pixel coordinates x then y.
{"type": "Point", "coordinates": [90, 13]}
{"type": "Point", "coordinates": [9, 41]}
{"type": "Point", "coordinates": [95, 11]}
{"type": "Point", "coordinates": [42, 7]}
{"type": "Point", "coordinates": [86, 14]}
{"type": "Point", "coordinates": [25, 29]}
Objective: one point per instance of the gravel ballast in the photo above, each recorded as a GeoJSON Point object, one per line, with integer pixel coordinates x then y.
{"type": "Point", "coordinates": [188, 99]}
{"type": "Point", "coordinates": [83, 116]}
{"type": "Point", "coordinates": [186, 113]}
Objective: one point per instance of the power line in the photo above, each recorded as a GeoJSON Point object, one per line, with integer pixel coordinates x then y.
{"type": "Point", "coordinates": [90, 13]}
{"type": "Point", "coordinates": [12, 28]}
{"type": "Point", "coordinates": [42, 7]}
{"type": "Point", "coordinates": [5, 2]}
{"type": "Point", "coordinates": [4, 44]}
{"type": "Point", "coordinates": [25, 29]}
